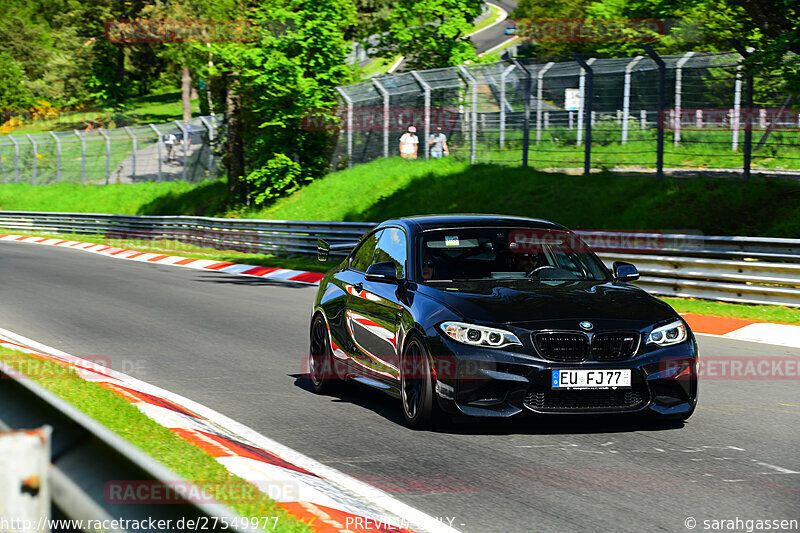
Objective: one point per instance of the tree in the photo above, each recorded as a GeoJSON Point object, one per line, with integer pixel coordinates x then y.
{"type": "Point", "coordinates": [430, 33]}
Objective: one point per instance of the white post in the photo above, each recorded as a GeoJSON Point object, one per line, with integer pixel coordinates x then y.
{"type": "Point", "coordinates": [58, 156]}
{"type": "Point", "coordinates": [571, 119]}
{"type": "Point", "coordinates": [503, 103]}
{"type": "Point", "coordinates": [626, 97]}
{"type": "Point", "coordinates": [35, 154]}
{"type": "Point", "coordinates": [762, 118]}
{"type": "Point", "coordinates": [185, 135]}
{"type": "Point", "coordinates": [581, 92]}
{"type": "Point", "coordinates": [737, 108]}
{"type": "Point", "coordinates": [698, 118]}
{"type": "Point", "coordinates": [83, 156]}
{"type": "Point", "coordinates": [473, 83]}
{"type": "Point", "coordinates": [427, 113]}
{"type": "Point", "coordinates": [108, 153]}
{"type": "Point", "coordinates": [385, 95]}
{"type": "Point", "coordinates": [16, 156]}
{"type": "Point", "coordinates": [160, 149]}
{"type": "Point", "coordinates": [349, 102]}
{"type": "Point", "coordinates": [643, 119]}
{"type": "Point", "coordinates": [209, 124]}
{"type": "Point", "coordinates": [676, 134]}
{"type": "Point", "coordinates": [539, 96]}
{"type": "Point", "coordinates": [547, 120]}
{"type": "Point", "coordinates": [133, 152]}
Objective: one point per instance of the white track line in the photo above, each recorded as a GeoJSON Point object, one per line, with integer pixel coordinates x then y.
{"type": "Point", "coordinates": [367, 493]}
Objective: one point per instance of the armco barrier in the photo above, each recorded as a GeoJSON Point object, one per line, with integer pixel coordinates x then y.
{"type": "Point", "coordinates": [738, 269]}
{"type": "Point", "coordinates": [86, 456]}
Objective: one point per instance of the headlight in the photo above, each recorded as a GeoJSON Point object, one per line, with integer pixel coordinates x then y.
{"type": "Point", "coordinates": [668, 335]}
{"type": "Point", "coordinates": [479, 335]}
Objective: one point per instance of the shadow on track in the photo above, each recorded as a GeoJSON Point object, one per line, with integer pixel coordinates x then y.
{"type": "Point", "coordinates": [524, 424]}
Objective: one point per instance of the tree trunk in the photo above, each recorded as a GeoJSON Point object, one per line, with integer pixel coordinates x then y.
{"type": "Point", "coordinates": [186, 93]}
{"type": "Point", "coordinates": [235, 145]}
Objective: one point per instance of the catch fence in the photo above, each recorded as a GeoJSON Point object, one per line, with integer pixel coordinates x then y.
{"type": "Point", "coordinates": [582, 114]}
{"type": "Point", "coordinates": [176, 150]}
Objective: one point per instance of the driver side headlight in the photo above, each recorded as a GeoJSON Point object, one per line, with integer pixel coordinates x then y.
{"type": "Point", "coordinates": [668, 335]}
{"type": "Point", "coordinates": [479, 335]}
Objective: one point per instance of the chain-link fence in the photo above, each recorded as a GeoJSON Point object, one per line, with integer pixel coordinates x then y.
{"type": "Point", "coordinates": [155, 152]}
{"type": "Point", "coordinates": [568, 113]}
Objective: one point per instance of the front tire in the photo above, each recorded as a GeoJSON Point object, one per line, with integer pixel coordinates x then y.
{"type": "Point", "coordinates": [320, 360]}
{"type": "Point", "coordinates": [420, 409]}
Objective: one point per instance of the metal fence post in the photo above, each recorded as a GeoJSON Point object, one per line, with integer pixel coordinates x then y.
{"type": "Point", "coordinates": [58, 156]}
{"type": "Point", "coordinates": [16, 157]}
{"type": "Point", "coordinates": [748, 105]}
{"type": "Point", "coordinates": [626, 96]}
{"type": "Point", "coordinates": [662, 81]}
{"type": "Point", "coordinates": [185, 134]}
{"type": "Point", "coordinates": [737, 108]}
{"type": "Point", "coordinates": [349, 102]}
{"type": "Point", "coordinates": [210, 127]}
{"type": "Point", "coordinates": [83, 156]}
{"type": "Point", "coordinates": [582, 93]}
{"type": "Point", "coordinates": [385, 94]}
{"type": "Point", "coordinates": [35, 156]}
{"type": "Point", "coordinates": [587, 98]}
{"type": "Point", "coordinates": [427, 111]}
{"type": "Point", "coordinates": [133, 152]}
{"type": "Point", "coordinates": [526, 127]}
{"type": "Point", "coordinates": [678, 86]}
{"type": "Point", "coordinates": [160, 148]}
{"type": "Point", "coordinates": [108, 153]}
{"type": "Point", "coordinates": [473, 83]}
{"type": "Point", "coordinates": [3, 168]}
{"type": "Point", "coordinates": [504, 103]}
{"type": "Point", "coordinates": [539, 96]}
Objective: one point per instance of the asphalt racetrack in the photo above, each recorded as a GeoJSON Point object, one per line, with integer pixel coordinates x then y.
{"type": "Point", "coordinates": [236, 345]}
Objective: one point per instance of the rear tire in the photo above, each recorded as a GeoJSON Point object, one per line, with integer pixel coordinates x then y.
{"type": "Point", "coordinates": [417, 393]}
{"type": "Point", "coordinates": [320, 360]}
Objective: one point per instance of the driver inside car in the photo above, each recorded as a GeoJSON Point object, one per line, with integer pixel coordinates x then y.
{"type": "Point", "coordinates": [524, 262]}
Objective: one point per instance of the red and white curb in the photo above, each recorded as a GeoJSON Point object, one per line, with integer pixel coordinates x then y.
{"type": "Point", "coordinates": [279, 274]}
{"type": "Point", "coordinates": [745, 330]}
{"type": "Point", "coordinates": [730, 328]}
{"type": "Point", "coordinates": [324, 498]}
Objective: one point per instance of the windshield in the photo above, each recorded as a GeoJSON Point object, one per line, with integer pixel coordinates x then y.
{"type": "Point", "coordinates": [466, 254]}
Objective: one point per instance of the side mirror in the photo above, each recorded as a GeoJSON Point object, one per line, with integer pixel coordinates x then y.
{"type": "Point", "coordinates": [323, 250]}
{"type": "Point", "coordinates": [625, 272]}
{"type": "Point", "coordinates": [385, 272]}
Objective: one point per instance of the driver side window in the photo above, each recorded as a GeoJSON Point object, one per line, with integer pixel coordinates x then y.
{"type": "Point", "coordinates": [362, 257]}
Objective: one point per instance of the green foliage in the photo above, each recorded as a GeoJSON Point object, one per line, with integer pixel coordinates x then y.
{"type": "Point", "coordinates": [290, 71]}
{"type": "Point", "coordinates": [430, 33]}
{"type": "Point", "coordinates": [277, 177]}
{"type": "Point", "coordinates": [12, 84]}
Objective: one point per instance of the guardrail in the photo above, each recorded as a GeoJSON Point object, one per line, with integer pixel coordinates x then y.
{"type": "Point", "coordinates": [85, 457]}
{"type": "Point", "coordinates": [757, 270]}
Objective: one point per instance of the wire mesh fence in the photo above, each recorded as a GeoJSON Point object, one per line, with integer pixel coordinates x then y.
{"type": "Point", "coordinates": [559, 114]}
{"type": "Point", "coordinates": [155, 152]}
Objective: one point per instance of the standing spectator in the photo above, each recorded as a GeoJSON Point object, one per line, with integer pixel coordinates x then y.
{"type": "Point", "coordinates": [409, 144]}
{"type": "Point", "coordinates": [169, 142]}
{"type": "Point", "coordinates": [438, 144]}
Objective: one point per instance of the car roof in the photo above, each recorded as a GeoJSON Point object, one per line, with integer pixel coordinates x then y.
{"type": "Point", "coordinates": [425, 222]}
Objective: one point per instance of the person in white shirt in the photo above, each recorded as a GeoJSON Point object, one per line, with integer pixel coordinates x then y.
{"type": "Point", "coordinates": [409, 143]}
{"type": "Point", "coordinates": [169, 142]}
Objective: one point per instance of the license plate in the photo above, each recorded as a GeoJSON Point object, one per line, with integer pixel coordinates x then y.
{"type": "Point", "coordinates": [591, 379]}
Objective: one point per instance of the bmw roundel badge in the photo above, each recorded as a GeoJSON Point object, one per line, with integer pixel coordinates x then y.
{"type": "Point", "coordinates": [586, 325]}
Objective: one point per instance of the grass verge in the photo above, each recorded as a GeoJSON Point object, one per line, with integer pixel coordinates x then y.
{"type": "Point", "coordinates": [159, 442]}
{"type": "Point", "coordinates": [759, 313]}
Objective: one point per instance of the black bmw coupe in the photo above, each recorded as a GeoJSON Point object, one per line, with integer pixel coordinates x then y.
{"type": "Point", "coordinates": [494, 316]}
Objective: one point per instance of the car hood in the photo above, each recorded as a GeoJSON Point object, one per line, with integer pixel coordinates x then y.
{"type": "Point", "coordinates": [530, 302]}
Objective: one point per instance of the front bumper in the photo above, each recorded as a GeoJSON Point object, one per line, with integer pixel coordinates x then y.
{"type": "Point", "coordinates": [497, 383]}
